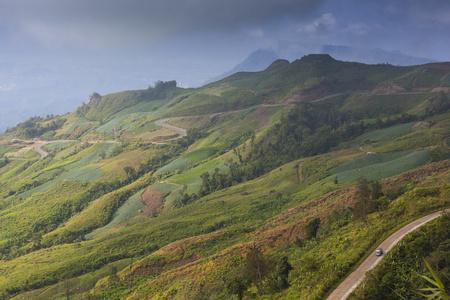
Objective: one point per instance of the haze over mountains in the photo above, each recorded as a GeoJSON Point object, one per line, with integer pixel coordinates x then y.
{"type": "Point", "coordinates": [262, 58]}
{"type": "Point", "coordinates": [124, 207]}
{"type": "Point", "coordinates": [40, 88]}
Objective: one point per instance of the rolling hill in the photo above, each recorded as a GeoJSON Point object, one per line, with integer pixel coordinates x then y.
{"type": "Point", "coordinates": [270, 174]}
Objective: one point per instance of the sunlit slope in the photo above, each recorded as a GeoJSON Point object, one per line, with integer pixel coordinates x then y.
{"type": "Point", "coordinates": [266, 153]}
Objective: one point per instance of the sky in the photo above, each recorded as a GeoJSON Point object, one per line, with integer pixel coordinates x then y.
{"type": "Point", "coordinates": [54, 53]}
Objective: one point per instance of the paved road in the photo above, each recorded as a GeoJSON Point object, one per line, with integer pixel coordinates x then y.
{"type": "Point", "coordinates": [38, 149]}
{"type": "Point", "coordinates": [43, 154]}
{"type": "Point", "coordinates": [181, 131]}
{"type": "Point", "coordinates": [355, 278]}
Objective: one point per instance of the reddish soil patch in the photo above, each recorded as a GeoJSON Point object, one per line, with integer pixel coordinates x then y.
{"type": "Point", "coordinates": [261, 115]}
{"type": "Point", "coordinates": [310, 95]}
{"type": "Point", "coordinates": [427, 170]}
{"type": "Point", "coordinates": [445, 141]}
{"type": "Point", "coordinates": [164, 138]}
{"type": "Point", "coordinates": [289, 226]}
{"type": "Point", "coordinates": [154, 201]}
{"type": "Point", "coordinates": [390, 89]}
{"type": "Point", "coordinates": [441, 88]}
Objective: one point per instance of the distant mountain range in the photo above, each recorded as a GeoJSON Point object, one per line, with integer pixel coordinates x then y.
{"type": "Point", "coordinates": [262, 58]}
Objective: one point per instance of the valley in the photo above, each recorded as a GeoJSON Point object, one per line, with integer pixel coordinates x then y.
{"type": "Point", "coordinates": [172, 193]}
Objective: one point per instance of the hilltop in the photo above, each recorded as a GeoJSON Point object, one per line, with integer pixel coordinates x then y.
{"type": "Point", "coordinates": [125, 206]}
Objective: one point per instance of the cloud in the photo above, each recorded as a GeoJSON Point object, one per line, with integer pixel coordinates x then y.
{"type": "Point", "coordinates": [7, 87]}
{"type": "Point", "coordinates": [103, 23]}
{"type": "Point", "coordinates": [320, 26]}
{"type": "Point", "coordinates": [357, 29]}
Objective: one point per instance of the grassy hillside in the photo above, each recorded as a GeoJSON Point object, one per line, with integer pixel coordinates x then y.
{"type": "Point", "coordinates": [268, 173]}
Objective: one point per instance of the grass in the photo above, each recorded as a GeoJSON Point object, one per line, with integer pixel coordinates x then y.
{"type": "Point", "coordinates": [188, 160]}
{"type": "Point", "coordinates": [384, 134]}
{"type": "Point", "coordinates": [56, 147]}
{"type": "Point", "coordinates": [380, 165]}
{"type": "Point", "coordinates": [163, 187]}
{"type": "Point", "coordinates": [76, 170]}
{"type": "Point", "coordinates": [7, 149]}
{"type": "Point", "coordinates": [87, 174]}
{"type": "Point", "coordinates": [371, 105]}
{"type": "Point", "coordinates": [94, 156]}
{"type": "Point", "coordinates": [189, 175]}
{"type": "Point", "coordinates": [127, 211]}
{"type": "Point", "coordinates": [203, 243]}
{"type": "Point", "coordinates": [200, 155]}
{"type": "Point", "coordinates": [194, 185]}
{"type": "Point", "coordinates": [78, 122]}
{"type": "Point", "coordinates": [178, 164]}
{"type": "Point", "coordinates": [416, 140]}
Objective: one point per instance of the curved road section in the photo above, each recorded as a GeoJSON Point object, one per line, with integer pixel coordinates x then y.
{"type": "Point", "coordinates": [181, 131]}
{"type": "Point", "coordinates": [38, 149]}
{"type": "Point", "coordinates": [41, 152]}
{"type": "Point", "coordinates": [355, 278]}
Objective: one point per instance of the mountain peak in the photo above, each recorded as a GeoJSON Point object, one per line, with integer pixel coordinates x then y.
{"type": "Point", "coordinates": [317, 58]}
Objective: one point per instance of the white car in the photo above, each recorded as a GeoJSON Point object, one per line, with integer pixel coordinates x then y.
{"type": "Point", "coordinates": [379, 252]}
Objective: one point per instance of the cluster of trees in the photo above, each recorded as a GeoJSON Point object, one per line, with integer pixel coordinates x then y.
{"type": "Point", "coordinates": [307, 130]}
{"type": "Point", "coordinates": [32, 127]}
{"type": "Point", "coordinates": [64, 210]}
{"type": "Point", "coordinates": [267, 274]}
{"type": "Point", "coordinates": [4, 162]}
{"type": "Point", "coordinates": [372, 197]}
{"type": "Point", "coordinates": [160, 89]}
{"type": "Point", "coordinates": [437, 105]}
{"type": "Point", "coordinates": [94, 99]}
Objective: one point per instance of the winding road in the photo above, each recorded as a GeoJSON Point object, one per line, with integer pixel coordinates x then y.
{"type": "Point", "coordinates": [44, 154]}
{"type": "Point", "coordinates": [41, 152]}
{"type": "Point", "coordinates": [355, 278]}
{"type": "Point", "coordinates": [181, 131]}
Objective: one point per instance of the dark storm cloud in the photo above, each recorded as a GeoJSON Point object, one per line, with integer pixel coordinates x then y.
{"type": "Point", "coordinates": [110, 22]}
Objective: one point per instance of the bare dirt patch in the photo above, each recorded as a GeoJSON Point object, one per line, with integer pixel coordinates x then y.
{"type": "Point", "coordinates": [299, 173]}
{"type": "Point", "coordinates": [390, 89]}
{"type": "Point", "coordinates": [441, 89]}
{"type": "Point", "coordinates": [445, 141]}
{"type": "Point", "coordinates": [309, 95]}
{"type": "Point", "coordinates": [420, 125]}
{"type": "Point", "coordinates": [154, 201]}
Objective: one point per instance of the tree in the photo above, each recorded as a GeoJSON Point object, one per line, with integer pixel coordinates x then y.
{"type": "Point", "coordinates": [130, 171]}
{"type": "Point", "coordinates": [363, 204]}
{"type": "Point", "coordinates": [284, 267]}
{"type": "Point", "coordinates": [258, 267]}
{"type": "Point", "coordinates": [237, 286]}
{"type": "Point", "coordinates": [312, 228]}
{"type": "Point", "coordinates": [376, 191]}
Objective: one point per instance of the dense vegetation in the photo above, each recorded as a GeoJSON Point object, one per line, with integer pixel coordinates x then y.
{"type": "Point", "coordinates": [272, 193]}
{"type": "Point", "coordinates": [34, 127]}
{"type": "Point", "coordinates": [399, 275]}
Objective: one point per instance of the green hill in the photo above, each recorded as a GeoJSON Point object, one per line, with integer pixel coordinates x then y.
{"type": "Point", "coordinates": [270, 173]}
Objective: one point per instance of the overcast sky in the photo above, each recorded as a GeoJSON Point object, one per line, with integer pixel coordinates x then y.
{"type": "Point", "coordinates": [415, 27]}
{"type": "Point", "coordinates": [140, 41]}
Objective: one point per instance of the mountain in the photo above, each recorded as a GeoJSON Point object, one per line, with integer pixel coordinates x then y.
{"type": "Point", "coordinates": [295, 172]}
{"type": "Point", "coordinates": [262, 58]}
{"type": "Point", "coordinates": [256, 61]}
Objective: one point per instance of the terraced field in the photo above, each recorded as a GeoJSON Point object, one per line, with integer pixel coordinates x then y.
{"type": "Point", "coordinates": [380, 166]}
{"type": "Point", "coordinates": [128, 210]}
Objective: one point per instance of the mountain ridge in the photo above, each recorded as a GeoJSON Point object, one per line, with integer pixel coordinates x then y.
{"type": "Point", "coordinates": [262, 58]}
{"type": "Point", "coordinates": [266, 154]}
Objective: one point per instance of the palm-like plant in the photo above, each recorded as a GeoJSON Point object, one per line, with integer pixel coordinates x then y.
{"type": "Point", "coordinates": [439, 291]}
